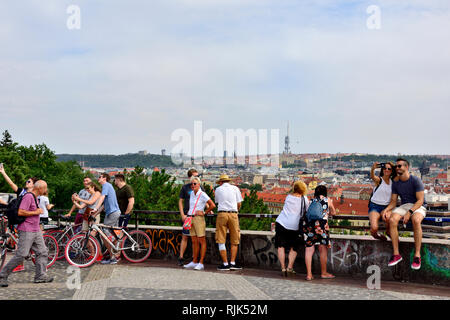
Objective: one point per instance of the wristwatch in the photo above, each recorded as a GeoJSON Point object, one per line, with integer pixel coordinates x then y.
{"type": "Point", "coordinates": [410, 211]}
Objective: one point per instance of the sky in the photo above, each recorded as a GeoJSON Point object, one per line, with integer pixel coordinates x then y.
{"type": "Point", "coordinates": [135, 72]}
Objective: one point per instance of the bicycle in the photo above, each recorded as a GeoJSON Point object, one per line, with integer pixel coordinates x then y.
{"type": "Point", "coordinates": [9, 240]}
{"type": "Point", "coordinates": [82, 250]}
{"type": "Point", "coordinates": [62, 233]}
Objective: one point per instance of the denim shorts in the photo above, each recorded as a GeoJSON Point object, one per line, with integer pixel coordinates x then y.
{"type": "Point", "coordinates": [376, 207]}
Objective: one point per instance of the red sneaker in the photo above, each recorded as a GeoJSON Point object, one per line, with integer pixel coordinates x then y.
{"type": "Point", "coordinates": [416, 263]}
{"type": "Point", "coordinates": [394, 260]}
{"type": "Point", "coordinates": [19, 268]}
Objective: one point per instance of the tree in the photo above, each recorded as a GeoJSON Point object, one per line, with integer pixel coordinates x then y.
{"type": "Point", "coordinates": [7, 141]}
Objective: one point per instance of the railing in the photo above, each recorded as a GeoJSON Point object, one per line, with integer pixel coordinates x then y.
{"type": "Point", "coordinates": [435, 225]}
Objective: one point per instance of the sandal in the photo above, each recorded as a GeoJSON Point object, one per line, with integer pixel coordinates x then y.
{"type": "Point", "coordinates": [284, 273]}
{"type": "Point", "coordinates": [290, 272]}
{"type": "Point", "coordinates": [309, 278]}
{"type": "Point", "coordinates": [330, 276]}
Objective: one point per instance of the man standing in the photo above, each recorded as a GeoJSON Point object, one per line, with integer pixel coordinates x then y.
{"type": "Point", "coordinates": [112, 211]}
{"type": "Point", "coordinates": [228, 198]}
{"type": "Point", "coordinates": [183, 206]}
{"type": "Point", "coordinates": [83, 195]}
{"type": "Point", "coordinates": [125, 198]}
{"type": "Point", "coordinates": [30, 237]}
{"type": "Point", "coordinates": [411, 191]}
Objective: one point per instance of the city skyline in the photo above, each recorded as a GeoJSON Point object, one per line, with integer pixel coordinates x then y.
{"type": "Point", "coordinates": [134, 72]}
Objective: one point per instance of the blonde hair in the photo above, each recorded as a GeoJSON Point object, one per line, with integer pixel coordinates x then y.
{"type": "Point", "coordinates": [196, 179]}
{"type": "Point", "coordinates": [300, 187]}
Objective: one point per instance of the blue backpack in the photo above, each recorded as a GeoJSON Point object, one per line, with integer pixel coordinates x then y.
{"type": "Point", "coordinates": [315, 210]}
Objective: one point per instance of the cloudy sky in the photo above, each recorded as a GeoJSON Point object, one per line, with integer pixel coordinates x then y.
{"type": "Point", "coordinates": [136, 71]}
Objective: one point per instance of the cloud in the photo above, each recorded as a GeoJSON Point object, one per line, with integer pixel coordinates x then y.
{"type": "Point", "coordinates": [137, 71]}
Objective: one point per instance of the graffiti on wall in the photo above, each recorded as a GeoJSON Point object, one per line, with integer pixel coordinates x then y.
{"type": "Point", "coordinates": [438, 263]}
{"type": "Point", "coordinates": [346, 254]}
{"type": "Point", "coordinates": [263, 249]}
{"type": "Point", "coordinates": [165, 241]}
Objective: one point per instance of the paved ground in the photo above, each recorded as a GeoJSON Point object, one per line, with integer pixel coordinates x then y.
{"type": "Point", "coordinates": [162, 280]}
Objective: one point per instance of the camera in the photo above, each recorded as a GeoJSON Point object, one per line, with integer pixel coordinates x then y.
{"type": "Point", "coordinates": [383, 165]}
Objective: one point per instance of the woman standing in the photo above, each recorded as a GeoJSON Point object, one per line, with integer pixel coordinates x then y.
{"type": "Point", "coordinates": [287, 227]}
{"type": "Point", "coordinates": [45, 205]}
{"type": "Point", "coordinates": [197, 203]}
{"type": "Point", "coordinates": [91, 203]}
{"type": "Point", "coordinates": [381, 195]}
{"type": "Point", "coordinates": [317, 232]}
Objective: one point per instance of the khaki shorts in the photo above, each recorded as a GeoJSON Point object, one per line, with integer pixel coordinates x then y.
{"type": "Point", "coordinates": [198, 227]}
{"type": "Point", "coordinates": [85, 226]}
{"type": "Point", "coordinates": [403, 209]}
{"type": "Point", "coordinates": [227, 221]}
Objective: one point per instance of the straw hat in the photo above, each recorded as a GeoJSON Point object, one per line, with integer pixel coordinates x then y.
{"type": "Point", "coordinates": [223, 178]}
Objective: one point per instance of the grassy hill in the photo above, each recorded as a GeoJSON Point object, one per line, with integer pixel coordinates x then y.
{"type": "Point", "coordinates": [129, 160]}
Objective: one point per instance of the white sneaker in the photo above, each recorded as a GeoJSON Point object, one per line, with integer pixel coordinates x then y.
{"type": "Point", "coordinates": [190, 265]}
{"type": "Point", "coordinates": [199, 267]}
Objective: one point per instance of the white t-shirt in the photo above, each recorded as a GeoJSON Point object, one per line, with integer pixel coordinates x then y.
{"type": "Point", "coordinates": [227, 196]}
{"type": "Point", "coordinates": [290, 216]}
{"type": "Point", "coordinates": [43, 203]}
{"type": "Point", "coordinates": [201, 204]}
{"type": "Point", "coordinates": [383, 194]}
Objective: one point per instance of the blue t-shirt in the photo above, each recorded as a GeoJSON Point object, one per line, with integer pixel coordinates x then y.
{"type": "Point", "coordinates": [406, 190]}
{"type": "Point", "coordinates": [110, 202]}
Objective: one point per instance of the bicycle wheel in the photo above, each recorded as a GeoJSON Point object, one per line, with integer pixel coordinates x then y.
{"type": "Point", "coordinates": [3, 252]}
{"type": "Point", "coordinates": [52, 246]}
{"type": "Point", "coordinates": [139, 252]}
{"type": "Point", "coordinates": [81, 252]}
{"type": "Point", "coordinates": [62, 237]}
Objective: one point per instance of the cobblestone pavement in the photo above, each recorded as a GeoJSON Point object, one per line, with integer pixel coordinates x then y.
{"type": "Point", "coordinates": [160, 280]}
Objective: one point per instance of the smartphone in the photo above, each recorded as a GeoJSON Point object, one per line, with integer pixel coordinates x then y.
{"type": "Point", "coordinates": [1, 165]}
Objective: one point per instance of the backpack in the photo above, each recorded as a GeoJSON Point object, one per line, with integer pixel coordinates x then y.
{"type": "Point", "coordinates": [315, 210]}
{"type": "Point", "coordinates": [12, 211]}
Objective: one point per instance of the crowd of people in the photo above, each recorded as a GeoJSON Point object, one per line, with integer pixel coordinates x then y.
{"type": "Point", "coordinates": [301, 225]}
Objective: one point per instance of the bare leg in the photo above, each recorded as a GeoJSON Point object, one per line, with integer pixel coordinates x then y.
{"type": "Point", "coordinates": [223, 255]}
{"type": "Point", "coordinates": [323, 260]}
{"type": "Point", "coordinates": [309, 251]}
{"type": "Point", "coordinates": [282, 258]}
{"type": "Point", "coordinates": [393, 232]}
{"type": "Point", "coordinates": [292, 256]}
{"type": "Point", "coordinates": [417, 227]}
{"type": "Point", "coordinates": [202, 242]}
{"type": "Point", "coordinates": [233, 252]}
{"type": "Point", "coordinates": [183, 245]}
{"type": "Point", "coordinates": [194, 249]}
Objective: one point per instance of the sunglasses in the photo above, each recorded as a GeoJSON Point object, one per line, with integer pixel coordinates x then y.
{"type": "Point", "coordinates": [194, 183]}
{"type": "Point", "coordinates": [389, 169]}
{"type": "Point", "coordinates": [399, 166]}
{"type": "Point", "coordinates": [29, 181]}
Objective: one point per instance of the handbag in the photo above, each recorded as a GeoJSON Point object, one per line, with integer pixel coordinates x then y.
{"type": "Point", "coordinates": [188, 221]}
{"type": "Point", "coordinates": [302, 218]}
{"type": "Point", "coordinates": [87, 214]}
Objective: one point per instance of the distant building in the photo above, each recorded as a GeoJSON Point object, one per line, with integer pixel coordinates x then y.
{"type": "Point", "coordinates": [143, 153]}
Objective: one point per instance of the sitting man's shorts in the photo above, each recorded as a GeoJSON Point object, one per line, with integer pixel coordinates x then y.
{"type": "Point", "coordinates": [228, 221]}
{"type": "Point", "coordinates": [198, 227]}
{"type": "Point", "coordinates": [403, 209]}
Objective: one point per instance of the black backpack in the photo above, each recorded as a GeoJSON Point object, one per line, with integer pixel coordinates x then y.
{"type": "Point", "coordinates": [12, 211]}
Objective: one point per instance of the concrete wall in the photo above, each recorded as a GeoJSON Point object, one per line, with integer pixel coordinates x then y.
{"type": "Point", "coordinates": [349, 255]}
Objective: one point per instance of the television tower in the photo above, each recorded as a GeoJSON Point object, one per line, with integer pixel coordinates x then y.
{"type": "Point", "coordinates": [287, 149]}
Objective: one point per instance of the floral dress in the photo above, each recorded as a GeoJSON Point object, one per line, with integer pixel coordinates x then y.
{"type": "Point", "coordinates": [317, 231]}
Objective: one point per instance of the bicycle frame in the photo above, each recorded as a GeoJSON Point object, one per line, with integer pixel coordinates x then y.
{"type": "Point", "coordinates": [98, 228]}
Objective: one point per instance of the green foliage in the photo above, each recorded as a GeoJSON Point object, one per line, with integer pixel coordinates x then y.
{"type": "Point", "coordinates": [129, 160]}
{"type": "Point", "coordinates": [252, 204]}
{"type": "Point", "coordinates": [21, 163]}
